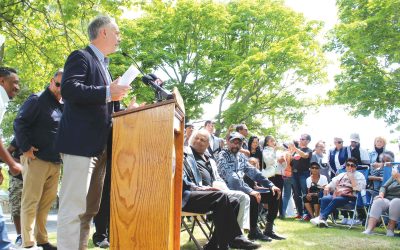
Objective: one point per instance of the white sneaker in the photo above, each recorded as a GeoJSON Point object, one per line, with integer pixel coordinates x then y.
{"type": "Point", "coordinates": [344, 221]}
{"type": "Point", "coordinates": [390, 233]}
{"type": "Point", "coordinates": [315, 221]}
{"type": "Point", "coordinates": [323, 223]}
{"type": "Point", "coordinates": [350, 222]}
{"type": "Point", "coordinates": [357, 222]}
{"type": "Point", "coordinates": [367, 232]}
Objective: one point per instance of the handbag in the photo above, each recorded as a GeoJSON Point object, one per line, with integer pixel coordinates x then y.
{"type": "Point", "coordinates": [343, 189]}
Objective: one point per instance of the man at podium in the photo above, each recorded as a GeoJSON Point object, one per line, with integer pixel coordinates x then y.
{"type": "Point", "coordinates": [88, 93]}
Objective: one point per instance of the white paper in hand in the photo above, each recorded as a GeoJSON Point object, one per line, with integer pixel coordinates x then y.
{"type": "Point", "coordinates": [129, 76]}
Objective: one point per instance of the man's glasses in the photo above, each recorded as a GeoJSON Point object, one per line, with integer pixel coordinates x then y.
{"type": "Point", "coordinates": [351, 165]}
{"type": "Point", "coordinates": [303, 139]}
{"type": "Point", "coordinates": [58, 84]}
{"type": "Point", "coordinates": [314, 167]}
{"type": "Point", "coordinates": [339, 142]}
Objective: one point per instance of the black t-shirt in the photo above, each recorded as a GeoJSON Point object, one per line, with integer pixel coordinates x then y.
{"type": "Point", "coordinates": [302, 164]}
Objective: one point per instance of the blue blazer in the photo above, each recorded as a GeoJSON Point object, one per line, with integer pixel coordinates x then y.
{"type": "Point", "coordinates": [86, 121]}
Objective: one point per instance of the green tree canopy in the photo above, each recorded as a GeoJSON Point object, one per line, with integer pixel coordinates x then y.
{"type": "Point", "coordinates": [368, 40]}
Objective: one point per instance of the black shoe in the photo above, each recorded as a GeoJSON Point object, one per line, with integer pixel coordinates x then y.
{"type": "Point", "coordinates": [242, 242]}
{"type": "Point", "coordinates": [209, 246]}
{"type": "Point", "coordinates": [274, 236]}
{"type": "Point", "coordinates": [257, 235]}
{"type": "Point", "coordinates": [47, 246]}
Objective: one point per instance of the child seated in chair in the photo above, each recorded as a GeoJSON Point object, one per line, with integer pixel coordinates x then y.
{"type": "Point", "coordinates": [315, 184]}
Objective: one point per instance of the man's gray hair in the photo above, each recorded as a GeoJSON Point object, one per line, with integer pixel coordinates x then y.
{"type": "Point", "coordinates": [58, 72]}
{"type": "Point", "coordinates": [96, 24]}
{"type": "Point", "coordinates": [195, 133]}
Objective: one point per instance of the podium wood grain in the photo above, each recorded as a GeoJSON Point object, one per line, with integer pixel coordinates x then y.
{"type": "Point", "coordinates": [145, 187]}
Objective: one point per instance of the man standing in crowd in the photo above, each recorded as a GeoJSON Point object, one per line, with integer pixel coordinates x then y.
{"type": "Point", "coordinates": [337, 155]}
{"type": "Point", "coordinates": [9, 87]}
{"type": "Point", "coordinates": [87, 90]}
{"type": "Point", "coordinates": [300, 172]}
{"type": "Point", "coordinates": [242, 129]}
{"type": "Point", "coordinates": [188, 133]}
{"type": "Point", "coordinates": [216, 143]}
{"type": "Point", "coordinates": [354, 150]}
{"type": "Point", "coordinates": [232, 167]}
{"type": "Point", "coordinates": [35, 130]}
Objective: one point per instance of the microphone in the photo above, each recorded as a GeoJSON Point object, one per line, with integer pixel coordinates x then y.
{"type": "Point", "coordinates": [133, 60]}
{"type": "Point", "coordinates": [161, 93]}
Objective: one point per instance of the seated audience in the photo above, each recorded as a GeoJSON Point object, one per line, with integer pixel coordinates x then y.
{"type": "Point", "coordinates": [377, 168]}
{"type": "Point", "coordinates": [227, 233]}
{"type": "Point", "coordinates": [319, 157]}
{"type": "Point", "coordinates": [199, 158]}
{"type": "Point", "coordinates": [344, 187]}
{"type": "Point", "coordinates": [315, 184]}
{"type": "Point", "coordinates": [232, 167]}
{"type": "Point", "coordinates": [388, 200]}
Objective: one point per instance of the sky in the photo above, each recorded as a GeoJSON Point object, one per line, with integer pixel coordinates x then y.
{"type": "Point", "coordinates": [332, 121]}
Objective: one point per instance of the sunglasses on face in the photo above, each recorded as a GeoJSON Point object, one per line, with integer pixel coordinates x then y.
{"type": "Point", "coordinates": [351, 165]}
{"type": "Point", "coordinates": [339, 142]}
{"type": "Point", "coordinates": [314, 168]}
{"type": "Point", "coordinates": [303, 139]}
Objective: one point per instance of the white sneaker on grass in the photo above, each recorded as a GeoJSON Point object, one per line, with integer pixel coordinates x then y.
{"type": "Point", "coordinates": [344, 221]}
{"type": "Point", "coordinates": [367, 232]}
{"type": "Point", "coordinates": [390, 233]}
{"type": "Point", "coordinates": [315, 221]}
{"type": "Point", "coordinates": [323, 223]}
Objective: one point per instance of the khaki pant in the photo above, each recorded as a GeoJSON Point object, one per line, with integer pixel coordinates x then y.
{"type": "Point", "coordinates": [40, 182]}
{"type": "Point", "coordinates": [80, 196]}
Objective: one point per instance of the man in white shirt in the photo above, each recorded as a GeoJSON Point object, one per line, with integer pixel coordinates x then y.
{"type": "Point", "coordinates": [9, 87]}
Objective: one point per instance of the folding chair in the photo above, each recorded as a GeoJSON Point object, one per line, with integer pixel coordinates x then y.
{"type": "Point", "coordinates": [203, 227]}
{"type": "Point", "coordinates": [361, 202]}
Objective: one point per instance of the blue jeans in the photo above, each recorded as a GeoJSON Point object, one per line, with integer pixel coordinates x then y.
{"type": "Point", "coordinates": [287, 193]}
{"type": "Point", "coordinates": [300, 189]}
{"type": "Point", "coordinates": [329, 204]}
{"type": "Point", "coordinates": [5, 243]}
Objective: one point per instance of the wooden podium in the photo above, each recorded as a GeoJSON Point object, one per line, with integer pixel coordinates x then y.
{"type": "Point", "coordinates": [146, 176]}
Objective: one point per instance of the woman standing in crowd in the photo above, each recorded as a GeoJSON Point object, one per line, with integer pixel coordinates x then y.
{"type": "Point", "coordinates": [287, 178]}
{"type": "Point", "coordinates": [376, 157]}
{"type": "Point", "coordinates": [274, 166]}
{"type": "Point", "coordinates": [255, 150]}
{"type": "Point", "coordinates": [387, 200]}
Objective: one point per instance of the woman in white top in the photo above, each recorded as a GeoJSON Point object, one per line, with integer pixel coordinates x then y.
{"type": "Point", "coordinates": [274, 166]}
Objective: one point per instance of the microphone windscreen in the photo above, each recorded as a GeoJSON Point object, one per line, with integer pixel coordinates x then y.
{"type": "Point", "coordinates": [153, 76]}
{"type": "Point", "coordinates": [147, 79]}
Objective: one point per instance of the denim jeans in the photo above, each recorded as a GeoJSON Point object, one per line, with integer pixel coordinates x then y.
{"type": "Point", "coordinates": [5, 243]}
{"type": "Point", "coordinates": [300, 189]}
{"type": "Point", "coordinates": [287, 193]}
{"type": "Point", "coordinates": [329, 204]}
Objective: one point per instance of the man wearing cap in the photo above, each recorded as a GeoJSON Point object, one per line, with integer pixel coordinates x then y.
{"type": "Point", "coordinates": [232, 166]}
{"type": "Point", "coordinates": [354, 150]}
{"type": "Point", "coordinates": [35, 130]}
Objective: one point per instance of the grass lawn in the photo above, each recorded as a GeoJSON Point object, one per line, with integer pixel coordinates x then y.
{"type": "Point", "coordinates": [303, 235]}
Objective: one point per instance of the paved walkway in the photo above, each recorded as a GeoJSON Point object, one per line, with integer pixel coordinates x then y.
{"type": "Point", "coordinates": [51, 225]}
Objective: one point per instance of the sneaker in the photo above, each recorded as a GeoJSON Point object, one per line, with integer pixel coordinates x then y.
{"type": "Point", "coordinates": [367, 232]}
{"type": "Point", "coordinates": [323, 223]}
{"type": "Point", "coordinates": [18, 240]}
{"type": "Point", "coordinates": [103, 244]}
{"type": "Point", "coordinates": [345, 221]}
{"type": "Point", "coordinates": [390, 233]}
{"type": "Point", "coordinates": [28, 248]}
{"type": "Point", "coordinates": [306, 217]}
{"type": "Point", "coordinates": [357, 222]}
{"type": "Point", "coordinates": [315, 221]}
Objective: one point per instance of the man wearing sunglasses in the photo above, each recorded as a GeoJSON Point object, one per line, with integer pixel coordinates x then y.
{"type": "Point", "coordinates": [35, 130]}
{"type": "Point", "coordinates": [337, 155]}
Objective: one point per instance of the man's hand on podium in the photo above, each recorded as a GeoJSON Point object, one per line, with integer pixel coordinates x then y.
{"type": "Point", "coordinates": [134, 104]}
